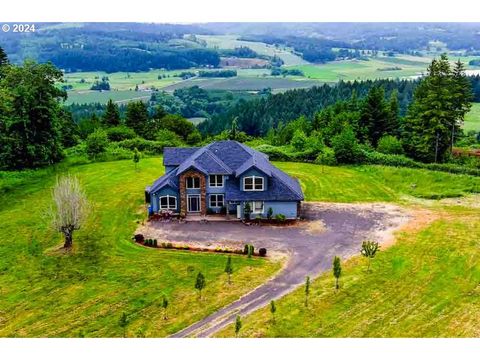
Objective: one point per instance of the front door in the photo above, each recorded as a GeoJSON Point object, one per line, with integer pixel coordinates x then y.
{"type": "Point", "coordinates": [193, 203]}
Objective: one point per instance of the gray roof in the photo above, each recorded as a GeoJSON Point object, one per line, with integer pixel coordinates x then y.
{"type": "Point", "coordinates": [230, 158]}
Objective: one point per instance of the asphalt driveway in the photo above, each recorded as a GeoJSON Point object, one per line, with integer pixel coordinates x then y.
{"type": "Point", "coordinates": [330, 230]}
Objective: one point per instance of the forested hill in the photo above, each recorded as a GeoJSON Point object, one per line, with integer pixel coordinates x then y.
{"type": "Point", "coordinates": [111, 47]}
{"type": "Point", "coordinates": [256, 117]}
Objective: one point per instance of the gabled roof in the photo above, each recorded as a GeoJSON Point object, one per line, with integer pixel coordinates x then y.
{"type": "Point", "coordinates": [173, 156]}
{"type": "Point", "coordinates": [229, 158]}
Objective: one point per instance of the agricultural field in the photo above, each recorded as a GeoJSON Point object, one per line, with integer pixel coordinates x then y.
{"type": "Point", "coordinates": [472, 119]}
{"type": "Point", "coordinates": [51, 294]}
{"type": "Point", "coordinates": [401, 66]}
{"type": "Point", "coordinates": [102, 97]}
{"type": "Point", "coordinates": [231, 42]}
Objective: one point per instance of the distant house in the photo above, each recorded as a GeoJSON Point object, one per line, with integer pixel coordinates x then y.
{"type": "Point", "coordinates": [221, 178]}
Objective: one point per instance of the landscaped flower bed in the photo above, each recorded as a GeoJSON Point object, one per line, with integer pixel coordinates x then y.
{"type": "Point", "coordinates": [140, 239]}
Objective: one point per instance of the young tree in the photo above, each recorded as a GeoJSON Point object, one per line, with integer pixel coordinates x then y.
{"type": "Point", "coordinates": [164, 306]}
{"type": "Point", "coordinates": [250, 251]}
{"type": "Point", "coordinates": [238, 325]}
{"type": "Point", "coordinates": [229, 269]}
{"type": "Point", "coordinates": [307, 290]}
{"type": "Point", "coordinates": [273, 310]}
{"type": "Point", "coordinates": [123, 323]}
{"type": "Point", "coordinates": [136, 117]}
{"type": "Point", "coordinates": [233, 134]}
{"type": "Point", "coordinates": [247, 211]}
{"type": "Point", "coordinates": [200, 284]}
{"type": "Point", "coordinates": [337, 271]}
{"type": "Point", "coordinates": [136, 157]}
{"type": "Point", "coordinates": [70, 208]}
{"type": "Point", "coordinates": [111, 116]}
{"type": "Point", "coordinates": [369, 250]}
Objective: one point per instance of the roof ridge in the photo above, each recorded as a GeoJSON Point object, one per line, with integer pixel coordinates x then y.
{"type": "Point", "coordinates": [218, 160]}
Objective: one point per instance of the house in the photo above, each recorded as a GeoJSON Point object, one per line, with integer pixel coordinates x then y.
{"type": "Point", "coordinates": [223, 177]}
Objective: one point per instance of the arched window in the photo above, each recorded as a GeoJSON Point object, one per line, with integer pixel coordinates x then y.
{"type": "Point", "coordinates": [168, 202]}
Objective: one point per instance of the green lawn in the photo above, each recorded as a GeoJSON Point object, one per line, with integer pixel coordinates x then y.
{"type": "Point", "coordinates": [427, 285]}
{"type": "Point", "coordinates": [47, 293]}
{"type": "Point", "coordinates": [472, 119]}
{"type": "Point", "coordinates": [377, 183]}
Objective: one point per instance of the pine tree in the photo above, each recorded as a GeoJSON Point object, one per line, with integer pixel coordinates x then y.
{"type": "Point", "coordinates": [229, 269]}
{"type": "Point", "coordinates": [111, 117]}
{"type": "Point", "coordinates": [3, 57]}
{"type": "Point", "coordinates": [374, 116]}
{"type": "Point", "coordinates": [238, 325]}
{"type": "Point", "coordinates": [337, 271]}
{"type": "Point", "coordinates": [273, 310]}
{"type": "Point", "coordinates": [463, 97]}
{"type": "Point", "coordinates": [393, 114]}
{"type": "Point", "coordinates": [137, 117]}
{"type": "Point", "coordinates": [307, 290]}
{"type": "Point", "coordinates": [200, 284]}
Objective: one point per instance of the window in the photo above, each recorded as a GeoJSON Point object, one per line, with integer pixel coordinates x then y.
{"type": "Point", "coordinates": [216, 180]}
{"type": "Point", "coordinates": [193, 182]}
{"type": "Point", "coordinates": [256, 207]}
{"type": "Point", "coordinates": [168, 202]}
{"type": "Point", "coordinates": [253, 183]}
{"type": "Point", "coordinates": [216, 200]}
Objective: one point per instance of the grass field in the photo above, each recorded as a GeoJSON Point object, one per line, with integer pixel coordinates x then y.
{"type": "Point", "coordinates": [121, 96]}
{"type": "Point", "coordinates": [472, 119]}
{"type": "Point", "coordinates": [377, 183]}
{"type": "Point", "coordinates": [424, 286]}
{"type": "Point", "coordinates": [47, 293]}
{"type": "Point", "coordinates": [231, 42]}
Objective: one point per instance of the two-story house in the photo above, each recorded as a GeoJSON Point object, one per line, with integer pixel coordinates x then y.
{"type": "Point", "coordinates": [221, 178]}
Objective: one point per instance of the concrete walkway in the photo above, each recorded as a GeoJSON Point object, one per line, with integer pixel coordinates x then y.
{"type": "Point", "coordinates": [330, 230]}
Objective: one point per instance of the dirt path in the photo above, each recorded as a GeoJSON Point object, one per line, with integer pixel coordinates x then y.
{"type": "Point", "coordinates": [330, 230]}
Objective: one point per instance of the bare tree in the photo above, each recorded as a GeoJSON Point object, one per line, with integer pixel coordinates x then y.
{"type": "Point", "coordinates": [70, 208]}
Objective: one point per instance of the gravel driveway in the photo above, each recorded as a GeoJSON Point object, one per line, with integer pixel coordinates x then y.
{"type": "Point", "coordinates": [330, 229]}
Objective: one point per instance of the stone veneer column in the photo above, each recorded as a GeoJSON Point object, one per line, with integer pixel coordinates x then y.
{"type": "Point", "coordinates": [183, 191]}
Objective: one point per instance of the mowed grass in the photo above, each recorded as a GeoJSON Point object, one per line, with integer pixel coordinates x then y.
{"type": "Point", "coordinates": [377, 183]}
{"type": "Point", "coordinates": [472, 119]}
{"type": "Point", "coordinates": [46, 293]}
{"type": "Point", "coordinates": [427, 285]}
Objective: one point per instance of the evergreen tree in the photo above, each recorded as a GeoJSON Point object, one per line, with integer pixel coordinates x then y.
{"type": "Point", "coordinates": [374, 116]}
{"type": "Point", "coordinates": [111, 116]}
{"type": "Point", "coordinates": [229, 269]}
{"type": "Point", "coordinates": [463, 96]}
{"type": "Point", "coordinates": [307, 290]}
{"type": "Point", "coordinates": [137, 117]}
{"type": "Point", "coordinates": [273, 310]}
{"type": "Point", "coordinates": [3, 57]}
{"type": "Point", "coordinates": [200, 284]}
{"type": "Point", "coordinates": [238, 325]}
{"type": "Point", "coordinates": [394, 113]}
{"type": "Point", "coordinates": [440, 102]}
{"type": "Point", "coordinates": [164, 306]}
{"type": "Point", "coordinates": [30, 115]}
{"type": "Point", "coordinates": [337, 271]}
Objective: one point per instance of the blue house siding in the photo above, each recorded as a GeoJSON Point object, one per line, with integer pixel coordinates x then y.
{"type": "Point", "coordinates": [217, 190]}
{"type": "Point", "coordinates": [287, 208]}
{"type": "Point", "coordinates": [155, 201]}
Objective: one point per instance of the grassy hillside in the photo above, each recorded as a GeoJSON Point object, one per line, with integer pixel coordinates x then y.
{"type": "Point", "coordinates": [472, 119]}
{"type": "Point", "coordinates": [377, 183]}
{"type": "Point", "coordinates": [424, 286]}
{"type": "Point", "coordinates": [47, 293]}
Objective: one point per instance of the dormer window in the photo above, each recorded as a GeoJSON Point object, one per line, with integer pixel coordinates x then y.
{"type": "Point", "coordinates": [253, 183]}
{"type": "Point", "coordinates": [193, 182]}
{"type": "Point", "coordinates": [216, 180]}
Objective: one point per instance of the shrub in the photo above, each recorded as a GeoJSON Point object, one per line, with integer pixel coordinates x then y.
{"type": "Point", "coordinates": [262, 252]}
{"type": "Point", "coordinates": [269, 213]}
{"type": "Point", "coordinates": [326, 157]}
{"type": "Point", "coordinates": [119, 133]}
{"type": "Point", "coordinates": [155, 244]}
{"type": "Point", "coordinates": [145, 146]}
{"type": "Point", "coordinates": [299, 140]}
{"type": "Point", "coordinates": [245, 249]}
{"type": "Point", "coordinates": [96, 143]}
{"type": "Point", "coordinates": [390, 145]}
{"type": "Point", "coordinates": [139, 237]}
{"type": "Point", "coordinates": [115, 152]}
{"type": "Point", "coordinates": [280, 217]}
{"type": "Point", "coordinates": [168, 137]}
{"type": "Point", "coordinates": [346, 148]}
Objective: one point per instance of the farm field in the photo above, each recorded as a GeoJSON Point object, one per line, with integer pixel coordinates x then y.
{"type": "Point", "coordinates": [231, 42]}
{"type": "Point", "coordinates": [91, 96]}
{"type": "Point", "coordinates": [472, 119]}
{"type": "Point", "coordinates": [46, 293]}
{"type": "Point", "coordinates": [426, 285]}
{"type": "Point", "coordinates": [246, 83]}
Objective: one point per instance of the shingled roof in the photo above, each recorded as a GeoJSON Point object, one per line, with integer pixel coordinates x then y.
{"type": "Point", "coordinates": [229, 158]}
